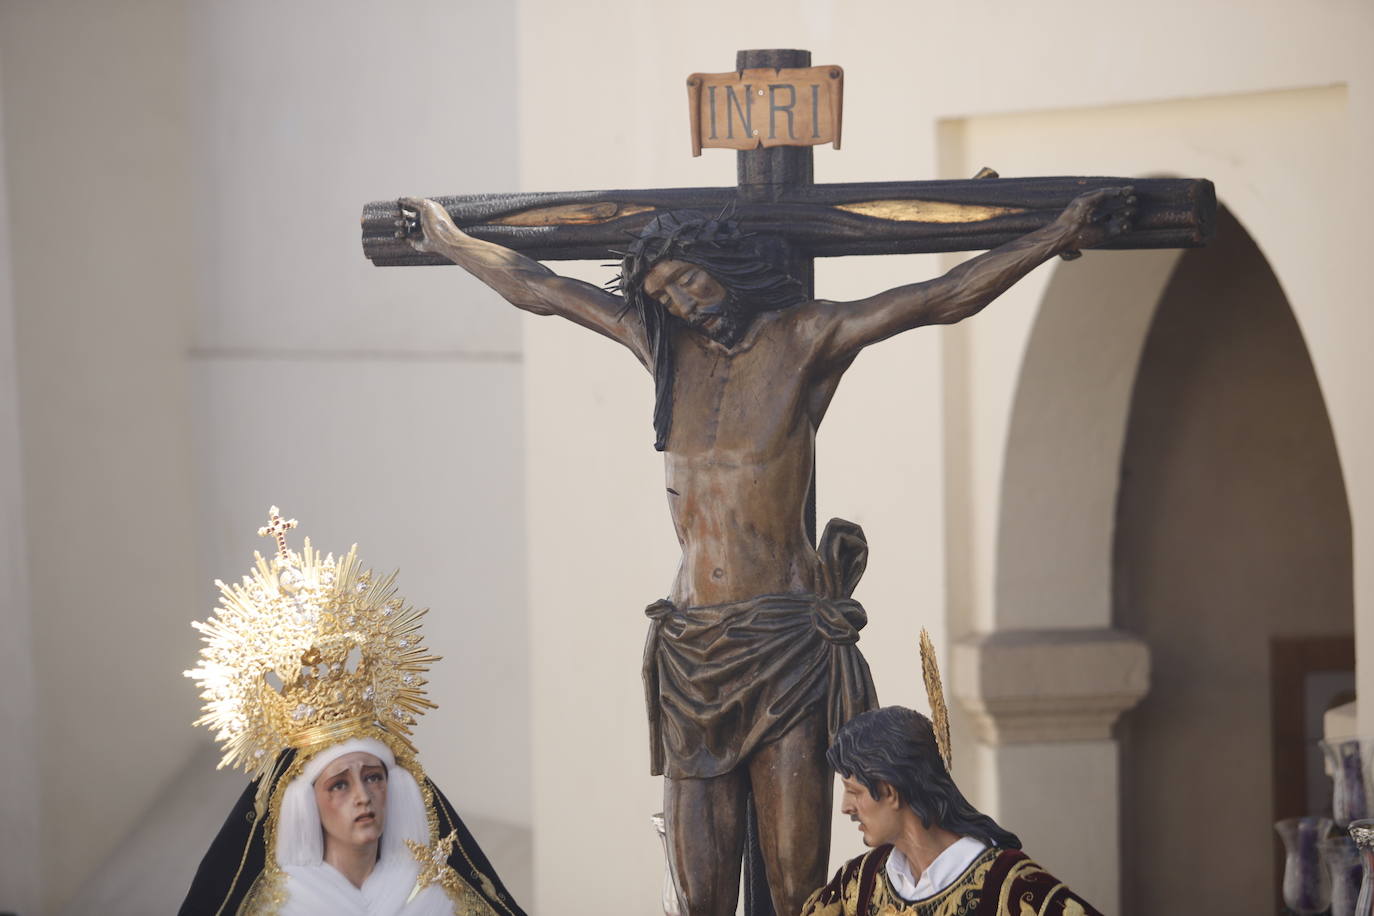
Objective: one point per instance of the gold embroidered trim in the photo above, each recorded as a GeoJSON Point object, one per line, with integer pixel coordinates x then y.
{"type": "Point", "coordinates": [1025, 865]}
{"type": "Point", "coordinates": [945, 902]}
{"type": "Point", "coordinates": [318, 737]}
{"type": "Point", "coordinates": [1045, 907]}
{"type": "Point", "coordinates": [259, 807]}
{"type": "Point", "coordinates": [487, 886]}
{"type": "Point", "coordinates": [243, 860]}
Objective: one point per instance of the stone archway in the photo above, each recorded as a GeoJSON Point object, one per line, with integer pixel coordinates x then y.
{"type": "Point", "coordinates": [1045, 689]}
{"type": "Point", "coordinates": [1084, 586]}
{"type": "Point", "coordinates": [1232, 532]}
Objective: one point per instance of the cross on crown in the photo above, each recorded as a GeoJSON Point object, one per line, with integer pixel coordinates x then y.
{"type": "Point", "coordinates": [277, 527]}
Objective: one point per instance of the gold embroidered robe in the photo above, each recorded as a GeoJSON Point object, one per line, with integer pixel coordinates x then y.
{"type": "Point", "coordinates": [1000, 882]}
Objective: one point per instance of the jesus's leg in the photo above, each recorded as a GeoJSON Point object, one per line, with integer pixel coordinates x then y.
{"type": "Point", "coordinates": [706, 839]}
{"type": "Point", "coordinates": [792, 792]}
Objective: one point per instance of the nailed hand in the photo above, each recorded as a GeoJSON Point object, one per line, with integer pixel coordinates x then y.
{"type": "Point", "coordinates": [1096, 217]}
{"type": "Point", "coordinates": [423, 223]}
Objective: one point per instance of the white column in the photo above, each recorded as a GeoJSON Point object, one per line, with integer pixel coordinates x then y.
{"type": "Point", "coordinates": [1043, 703]}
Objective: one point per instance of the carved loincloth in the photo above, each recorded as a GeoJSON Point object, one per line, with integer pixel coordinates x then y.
{"type": "Point", "coordinates": [723, 680]}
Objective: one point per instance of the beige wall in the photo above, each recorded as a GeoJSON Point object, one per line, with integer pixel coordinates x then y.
{"type": "Point", "coordinates": [19, 857]}
{"type": "Point", "coordinates": [1263, 153]}
{"type": "Point", "coordinates": [397, 393]}
{"type": "Point", "coordinates": [97, 146]}
{"type": "Point", "coordinates": [197, 337]}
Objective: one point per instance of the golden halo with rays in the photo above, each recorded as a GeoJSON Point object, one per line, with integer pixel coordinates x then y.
{"type": "Point", "coordinates": [306, 651]}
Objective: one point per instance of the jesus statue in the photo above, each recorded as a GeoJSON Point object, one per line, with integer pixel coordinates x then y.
{"type": "Point", "coordinates": [751, 665]}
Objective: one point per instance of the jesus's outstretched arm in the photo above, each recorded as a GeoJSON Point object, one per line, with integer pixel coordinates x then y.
{"type": "Point", "coordinates": [1088, 220]}
{"type": "Point", "coordinates": [524, 282]}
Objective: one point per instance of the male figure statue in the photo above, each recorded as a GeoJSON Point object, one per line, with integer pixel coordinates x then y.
{"type": "Point", "coordinates": [931, 851]}
{"type": "Point", "coordinates": [751, 664]}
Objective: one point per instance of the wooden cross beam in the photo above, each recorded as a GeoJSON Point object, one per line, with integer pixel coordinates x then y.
{"type": "Point", "coordinates": [777, 198]}
{"type": "Point", "coordinates": [825, 220]}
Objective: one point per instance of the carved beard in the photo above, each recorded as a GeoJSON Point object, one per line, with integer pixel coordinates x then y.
{"type": "Point", "coordinates": [733, 318]}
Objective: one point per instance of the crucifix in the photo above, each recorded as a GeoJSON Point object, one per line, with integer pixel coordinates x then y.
{"type": "Point", "coordinates": [752, 661]}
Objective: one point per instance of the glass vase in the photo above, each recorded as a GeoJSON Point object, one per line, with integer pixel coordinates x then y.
{"type": "Point", "coordinates": [1362, 832]}
{"type": "Point", "coordinates": [1347, 761]}
{"type": "Point", "coordinates": [1346, 870]}
{"type": "Point", "coordinates": [1306, 881]}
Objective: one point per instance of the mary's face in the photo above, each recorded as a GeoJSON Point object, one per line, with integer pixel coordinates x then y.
{"type": "Point", "coordinates": [351, 794]}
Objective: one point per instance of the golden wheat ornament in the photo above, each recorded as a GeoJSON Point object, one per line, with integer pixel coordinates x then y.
{"type": "Point", "coordinates": [306, 651]}
{"type": "Point", "coordinates": [935, 693]}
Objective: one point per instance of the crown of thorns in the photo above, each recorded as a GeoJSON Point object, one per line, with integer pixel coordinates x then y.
{"type": "Point", "coordinates": [677, 234]}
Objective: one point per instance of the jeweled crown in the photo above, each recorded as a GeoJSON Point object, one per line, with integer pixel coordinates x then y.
{"type": "Point", "coordinates": [307, 651]}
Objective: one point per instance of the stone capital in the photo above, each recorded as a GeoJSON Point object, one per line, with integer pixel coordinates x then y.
{"type": "Point", "coordinates": [1024, 686]}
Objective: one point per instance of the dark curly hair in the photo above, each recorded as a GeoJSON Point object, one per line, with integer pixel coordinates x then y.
{"type": "Point", "coordinates": [731, 257]}
{"type": "Point", "coordinates": [896, 745]}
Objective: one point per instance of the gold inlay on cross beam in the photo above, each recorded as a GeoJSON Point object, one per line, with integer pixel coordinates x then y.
{"type": "Point", "coordinates": [571, 214]}
{"type": "Point", "coordinates": [927, 211]}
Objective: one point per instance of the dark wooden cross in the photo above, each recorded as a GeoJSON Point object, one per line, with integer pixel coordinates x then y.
{"type": "Point", "coordinates": [798, 220]}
